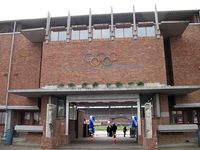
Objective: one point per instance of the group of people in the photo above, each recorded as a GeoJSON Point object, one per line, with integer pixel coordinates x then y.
{"type": "Point", "coordinates": [111, 130]}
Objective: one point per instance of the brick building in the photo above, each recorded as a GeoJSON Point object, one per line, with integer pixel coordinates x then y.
{"type": "Point", "coordinates": [51, 67]}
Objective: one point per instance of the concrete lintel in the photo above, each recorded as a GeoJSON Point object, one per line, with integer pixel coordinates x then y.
{"type": "Point", "coordinates": [103, 97]}
{"type": "Point", "coordinates": [34, 35]}
{"type": "Point", "coordinates": [173, 28]}
{"type": "Point", "coordinates": [14, 107]}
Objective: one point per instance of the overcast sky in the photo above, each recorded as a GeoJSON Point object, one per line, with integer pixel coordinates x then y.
{"type": "Point", "coordinates": [23, 9]}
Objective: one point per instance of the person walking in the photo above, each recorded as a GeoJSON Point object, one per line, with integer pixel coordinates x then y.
{"type": "Point", "coordinates": [124, 130]}
{"type": "Point", "coordinates": [108, 130]}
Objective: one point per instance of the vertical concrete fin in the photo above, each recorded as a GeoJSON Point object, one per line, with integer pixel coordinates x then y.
{"type": "Point", "coordinates": [68, 26]}
{"type": "Point", "coordinates": [48, 22]}
{"type": "Point", "coordinates": [157, 23]}
{"type": "Point", "coordinates": [134, 24]}
{"type": "Point", "coordinates": [90, 25]}
{"type": "Point", "coordinates": [112, 33]}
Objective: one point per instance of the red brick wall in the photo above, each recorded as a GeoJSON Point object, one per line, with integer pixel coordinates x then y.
{"type": "Point", "coordinates": [169, 138]}
{"type": "Point", "coordinates": [5, 41]}
{"type": "Point", "coordinates": [25, 67]}
{"type": "Point", "coordinates": [186, 61]}
{"type": "Point", "coordinates": [137, 60]}
{"type": "Point", "coordinates": [164, 109]}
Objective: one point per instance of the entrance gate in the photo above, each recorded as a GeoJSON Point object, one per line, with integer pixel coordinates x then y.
{"type": "Point", "coordinates": [103, 98]}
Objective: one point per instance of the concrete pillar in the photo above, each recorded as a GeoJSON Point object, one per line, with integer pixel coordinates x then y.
{"type": "Point", "coordinates": [139, 117]}
{"type": "Point", "coordinates": [157, 105]}
{"type": "Point", "coordinates": [67, 118]}
{"type": "Point", "coordinates": [10, 119]}
{"type": "Point", "coordinates": [148, 120]}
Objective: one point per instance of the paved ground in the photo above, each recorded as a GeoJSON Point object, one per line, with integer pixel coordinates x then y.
{"type": "Point", "coordinates": [102, 142]}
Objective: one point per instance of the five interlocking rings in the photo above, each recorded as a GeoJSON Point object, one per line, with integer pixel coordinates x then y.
{"type": "Point", "coordinates": [100, 58]}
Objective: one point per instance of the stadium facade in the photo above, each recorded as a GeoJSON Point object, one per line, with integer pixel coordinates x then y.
{"type": "Point", "coordinates": [52, 67]}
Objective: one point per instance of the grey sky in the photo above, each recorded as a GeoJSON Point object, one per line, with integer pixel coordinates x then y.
{"type": "Point", "coordinates": [23, 9]}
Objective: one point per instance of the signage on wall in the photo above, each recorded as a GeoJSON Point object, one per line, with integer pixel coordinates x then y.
{"type": "Point", "coordinates": [100, 59]}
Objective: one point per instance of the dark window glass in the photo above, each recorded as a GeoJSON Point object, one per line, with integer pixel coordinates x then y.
{"type": "Point", "coordinates": [61, 108]}
{"type": "Point", "coordinates": [2, 117]}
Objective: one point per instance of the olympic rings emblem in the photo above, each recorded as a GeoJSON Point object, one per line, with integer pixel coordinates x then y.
{"type": "Point", "coordinates": [100, 58]}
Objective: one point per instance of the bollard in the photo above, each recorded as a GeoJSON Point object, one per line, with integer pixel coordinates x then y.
{"type": "Point", "coordinates": [115, 140]}
{"type": "Point", "coordinates": [92, 138]}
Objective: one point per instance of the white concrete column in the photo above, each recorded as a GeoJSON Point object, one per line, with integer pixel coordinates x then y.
{"type": "Point", "coordinates": [67, 118]}
{"type": "Point", "coordinates": [139, 117]}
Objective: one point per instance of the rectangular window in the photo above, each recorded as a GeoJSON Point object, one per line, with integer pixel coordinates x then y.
{"type": "Point", "coordinates": [105, 33]}
{"type": "Point", "coordinates": [150, 31]}
{"type": "Point", "coordinates": [36, 118]}
{"type": "Point", "coordinates": [101, 33]}
{"type": "Point", "coordinates": [83, 34]}
{"type": "Point", "coordinates": [2, 117]}
{"type": "Point", "coordinates": [73, 113]}
{"type": "Point", "coordinates": [60, 108]}
{"type": "Point", "coordinates": [141, 32]}
{"type": "Point", "coordinates": [119, 33]}
{"type": "Point", "coordinates": [128, 32]}
{"type": "Point", "coordinates": [123, 32]}
{"type": "Point", "coordinates": [96, 34]}
{"type": "Point", "coordinates": [54, 36]}
{"type": "Point", "coordinates": [75, 35]}
{"type": "Point", "coordinates": [146, 31]}
{"type": "Point", "coordinates": [62, 36]}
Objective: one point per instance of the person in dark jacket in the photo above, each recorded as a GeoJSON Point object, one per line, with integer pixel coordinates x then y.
{"type": "Point", "coordinates": [108, 130]}
{"type": "Point", "coordinates": [114, 128]}
{"type": "Point", "coordinates": [124, 130]}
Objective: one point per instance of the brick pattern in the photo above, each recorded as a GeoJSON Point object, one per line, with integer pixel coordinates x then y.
{"type": "Point", "coordinates": [186, 61]}
{"type": "Point", "coordinates": [64, 62]}
{"type": "Point", "coordinates": [164, 108]}
{"type": "Point", "coordinates": [25, 67]}
{"type": "Point", "coordinates": [173, 138]}
{"type": "Point", "coordinates": [149, 143]}
{"type": "Point", "coordinates": [60, 137]}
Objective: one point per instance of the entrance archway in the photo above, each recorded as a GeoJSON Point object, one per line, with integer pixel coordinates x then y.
{"type": "Point", "coordinates": [106, 100]}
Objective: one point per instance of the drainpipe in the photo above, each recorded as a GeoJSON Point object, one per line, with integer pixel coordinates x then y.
{"type": "Point", "coordinates": [9, 76]}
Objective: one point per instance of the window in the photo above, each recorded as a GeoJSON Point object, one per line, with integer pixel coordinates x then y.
{"type": "Point", "coordinates": [79, 34]}
{"type": "Point", "coordinates": [73, 112]}
{"type": "Point", "coordinates": [2, 117]}
{"type": "Point", "coordinates": [30, 118]}
{"type": "Point", "coordinates": [101, 33]}
{"type": "Point", "coordinates": [58, 35]}
{"type": "Point", "coordinates": [123, 32]}
{"type": "Point", "coordinates": [36, 117]}
{"type": "Point", "coordinates": [60, 108]}
{"type": "Point", "coordinates": [146, 31]}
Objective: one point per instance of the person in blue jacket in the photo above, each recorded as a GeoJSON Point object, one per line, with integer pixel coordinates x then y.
{"type": "Point", "coordinates": [91, 125]}
{"type": "Point", "coordinates": [134, 125]}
